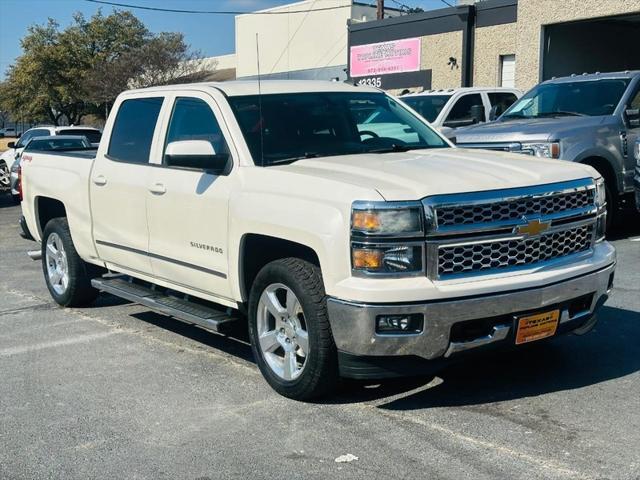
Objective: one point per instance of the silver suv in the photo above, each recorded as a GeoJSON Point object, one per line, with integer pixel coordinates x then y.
{"type": "Point", "coordinates": [592, 119]}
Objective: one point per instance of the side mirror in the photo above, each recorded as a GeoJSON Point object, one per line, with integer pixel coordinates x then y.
{"type": "Point", "coordinates": [477, 113]}
{"type": "Point", "coordinates": [493, 113]}
{"type": "Point", "coordinates": [632, 116]}
{"type": "Point", "coordinates": [11, 145]}
{"type": "Point", "coordinates": [197, 155]}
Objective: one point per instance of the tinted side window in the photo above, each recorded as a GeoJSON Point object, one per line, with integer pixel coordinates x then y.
{"type": "Point", "coordinates": [92, 135]}
{"type": "Point", "coordinates": [193, 119]}
{"type": "Point", "coordinates": [133, 129]}
{"type": "Point", "coordinates": [462, 108]}
{"type": "Point", "coordinates": [501, 100]}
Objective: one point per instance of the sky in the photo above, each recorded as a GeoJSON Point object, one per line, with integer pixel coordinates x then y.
{"type": "Point", "coordinates": [209, 34]}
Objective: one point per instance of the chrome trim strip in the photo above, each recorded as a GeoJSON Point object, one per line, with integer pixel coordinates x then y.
{"type": "Point", "coordinates": [430, 204]}
{"type": "Point", "coordinates": [499, 332]}
{"type": "Point", "coordinates": [162, 257]}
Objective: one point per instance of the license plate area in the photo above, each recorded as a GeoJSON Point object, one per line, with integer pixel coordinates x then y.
{"type": "Point", "coordinates": [537, 326]}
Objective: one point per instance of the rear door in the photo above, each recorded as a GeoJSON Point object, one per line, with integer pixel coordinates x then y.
{"type": "Point", "coordinates": [188, 208]}
{"type": "Point", "coordinates": [119, 185]}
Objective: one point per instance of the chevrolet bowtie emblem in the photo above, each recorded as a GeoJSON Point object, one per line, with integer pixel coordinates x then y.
{"type": "Point", "coordinates": [533, 227]}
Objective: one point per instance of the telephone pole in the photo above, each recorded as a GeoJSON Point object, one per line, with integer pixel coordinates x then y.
{"type": "Point", "coordinates": [380, 10]}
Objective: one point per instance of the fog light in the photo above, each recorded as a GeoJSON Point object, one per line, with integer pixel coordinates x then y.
{"type": "Point", "coordinates": [399, 324]}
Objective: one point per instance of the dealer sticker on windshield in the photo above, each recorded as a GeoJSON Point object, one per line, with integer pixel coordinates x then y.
{"type": "Point", "coordinates": [537, 327]}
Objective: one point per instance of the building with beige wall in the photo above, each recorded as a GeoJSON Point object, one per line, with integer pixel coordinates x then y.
{"type": "Point", "coordinates": [507, 42]}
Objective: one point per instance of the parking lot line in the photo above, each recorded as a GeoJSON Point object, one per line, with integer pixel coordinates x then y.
{"type": "Point", "coordinates": [8, 352]}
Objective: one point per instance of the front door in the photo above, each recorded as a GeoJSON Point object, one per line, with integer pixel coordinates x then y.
{"type": "Point", "coordinates": [188, 208]}
{"type": "Point", "coordinates": [119, 187]}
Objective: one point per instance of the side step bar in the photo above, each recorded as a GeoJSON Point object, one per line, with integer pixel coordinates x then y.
{"type": "Point", "coordinates": [159, 301]}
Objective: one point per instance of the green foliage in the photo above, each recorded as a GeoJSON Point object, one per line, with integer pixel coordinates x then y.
{"type": "Point", "coordinates": [81, 69]}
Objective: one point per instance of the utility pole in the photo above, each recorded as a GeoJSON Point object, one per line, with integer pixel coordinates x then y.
{"type": "Point", "coordinates": [380, 10]}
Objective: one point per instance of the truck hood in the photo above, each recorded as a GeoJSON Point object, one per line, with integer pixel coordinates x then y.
{"type": "Point", "coordinates": [421, 173]}
{"type": "Point", "coordinates": [531, 129]}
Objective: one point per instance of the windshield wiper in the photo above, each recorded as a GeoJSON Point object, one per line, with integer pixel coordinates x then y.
{"type": "Point", "coordinates": [398, 148]}
{"type": "Point", "coordinates": [561, 113]}
{"type": "Point", "coordinates": [281, 161]}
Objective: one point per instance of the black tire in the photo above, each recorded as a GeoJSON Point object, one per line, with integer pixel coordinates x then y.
{"type": "Point", "coordinates": [79, 291]}
{"type": "Point", "coordinates": [320, 374]}
{"type": "Point", "coordinates": [613, 214]}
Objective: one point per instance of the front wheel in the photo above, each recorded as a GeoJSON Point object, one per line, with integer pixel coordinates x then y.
{"type": "Point", "coordinates": [67, 276]}
{"type": "Point", "coordinates": [289, 329]}
{"type": "Point", "coordinates": [5, 177]}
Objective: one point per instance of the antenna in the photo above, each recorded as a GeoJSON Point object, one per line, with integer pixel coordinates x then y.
{"type": "Point", "coordinates": [260, 104]}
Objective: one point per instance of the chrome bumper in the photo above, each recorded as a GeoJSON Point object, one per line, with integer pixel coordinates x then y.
{"type": "Point", "coordinates": [353, 324]}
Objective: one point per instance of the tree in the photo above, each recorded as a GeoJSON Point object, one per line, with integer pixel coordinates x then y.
{"type": "Point", "coordinates": [67, 74]}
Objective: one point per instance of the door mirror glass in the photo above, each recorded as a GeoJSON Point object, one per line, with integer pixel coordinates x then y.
{"type": "Point", "coordinates": [11, 145]}
{"type": "Point", "coordinates": [197, 154]}
{"type": "Point", "coordinates": [477, 113]}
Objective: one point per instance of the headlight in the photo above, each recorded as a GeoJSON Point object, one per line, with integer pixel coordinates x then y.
{"type": "Point", "coordinates": [542, 149]}
{"type": "Point", "coordinates": [387, 238]}
{"type": "Point", "coordinates": [400, 219]}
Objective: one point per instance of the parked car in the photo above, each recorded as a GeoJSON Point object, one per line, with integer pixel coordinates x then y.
{"type": "Point", "coordinates": [448, 110]}
{"type": "Point", "coordinates": [9, 157]}
{"type": "Point", "coordinates": [350, 255]}
{"type": "Point", "coordinates": [591, 119]}
{"type": "Point", "coordinates": [8, 132]}
{"type": "Point", "coordinates": [636, 179]}
{"type": "Point", "coordinates": [59, 143]}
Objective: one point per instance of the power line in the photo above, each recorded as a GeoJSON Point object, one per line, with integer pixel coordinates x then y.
{"type": "Point", "coordinates": [212, 12]}
{"type": "Point", "coordinates": [446, 3]}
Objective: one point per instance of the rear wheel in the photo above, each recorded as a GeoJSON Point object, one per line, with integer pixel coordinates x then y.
{"type": "Point", "coordinates": [67, 276]}
{"type": "Point", "coordinates": [289, 329]}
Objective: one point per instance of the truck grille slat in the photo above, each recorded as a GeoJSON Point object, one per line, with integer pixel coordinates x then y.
{"type": "Point", "coordinates": [514, 209]}
{"type": "Point", "coordinates": [512, 253]}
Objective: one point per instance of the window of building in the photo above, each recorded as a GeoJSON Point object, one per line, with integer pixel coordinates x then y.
{"type": "Point", "coordinates": [133, 129]}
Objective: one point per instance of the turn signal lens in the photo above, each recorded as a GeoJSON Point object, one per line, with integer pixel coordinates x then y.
{"type": "Point", "coordinates": [367, 259]}
{"type": "Point", "coordinates": [366, 221]}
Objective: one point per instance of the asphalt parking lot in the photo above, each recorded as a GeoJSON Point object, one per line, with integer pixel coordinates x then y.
{"type": "Point", "coordinates": [116, 391]}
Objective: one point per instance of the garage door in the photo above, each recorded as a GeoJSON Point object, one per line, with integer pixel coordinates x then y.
{"type": "Point", "coordinates": [606, 44]}
{"type": "Point", "coordinates": [508, 71]}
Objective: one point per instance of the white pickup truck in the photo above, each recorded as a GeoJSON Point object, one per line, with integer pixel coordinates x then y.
{"type": "Point", "coordinates": [350, 252]}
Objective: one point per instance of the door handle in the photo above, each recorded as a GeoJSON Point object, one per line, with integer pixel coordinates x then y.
{"type": "Point", "coordinates": [158, 189]}
{"type": "Point", "coordinates": [100, 180]}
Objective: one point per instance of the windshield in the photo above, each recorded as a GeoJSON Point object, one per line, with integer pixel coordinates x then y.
{"type": "Point", "coordinates": [580, 98]}
{"type": "Point", "coordinates": [306, 125]}
{"type": "Point", "coordinates": [56, 144]}
{"type": "Point", "coordinates": [429, 106]}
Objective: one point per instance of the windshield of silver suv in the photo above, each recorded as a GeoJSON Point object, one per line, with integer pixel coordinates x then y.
{"type": "Point", "coordinates": [283, 128]}
{"type": "Point", "coordinates": [579, 98]}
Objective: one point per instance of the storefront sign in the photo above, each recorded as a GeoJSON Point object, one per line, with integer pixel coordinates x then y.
{"type": "Point", "coordinates": [397, 56]}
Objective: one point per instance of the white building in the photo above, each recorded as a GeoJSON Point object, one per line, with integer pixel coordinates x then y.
{"type": "Point", "coordinates": [303, 40]}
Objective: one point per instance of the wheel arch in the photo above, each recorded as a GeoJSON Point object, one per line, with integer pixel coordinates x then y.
{"type": "Point", "coordinates": [47, 208]}
{"type": "Point", "coordinates": [604, 168]}
{"type": "Point", "coordinates": [257, 250]}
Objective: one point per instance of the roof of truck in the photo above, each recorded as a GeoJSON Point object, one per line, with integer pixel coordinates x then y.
{"type": "Point", "coordinates": [594, 76]}
{"type": "Point", "coordinates": [250, 87]}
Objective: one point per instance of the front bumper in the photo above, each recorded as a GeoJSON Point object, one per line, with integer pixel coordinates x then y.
{"type": "Point", "coordinates": [353, 324]}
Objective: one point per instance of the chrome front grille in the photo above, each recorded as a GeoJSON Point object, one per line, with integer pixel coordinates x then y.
{"type": "Point", "coordinates": [497, 231]}
{"type": "Point", "coordinates": [513, 209]}
{"type": "Point", "coordinates": [492, 255]}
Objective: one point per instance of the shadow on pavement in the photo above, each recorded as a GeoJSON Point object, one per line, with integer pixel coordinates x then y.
{"type": "Point", "coordinates": [610, 351]}
{"type": "Point", "coordinates": [6, 200]}
{"type": "Point", "coordinates": [628, 225]}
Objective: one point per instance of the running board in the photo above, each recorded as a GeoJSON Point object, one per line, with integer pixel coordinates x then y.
{"type": "Point", "coordinates": [161, 302]}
